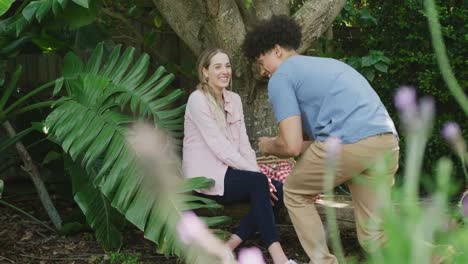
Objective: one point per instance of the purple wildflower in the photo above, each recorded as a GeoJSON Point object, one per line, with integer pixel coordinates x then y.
{"type": "Point", "coordinates": [451, 131]}
{"type": "Point", "coordinates": [405, 99]}
{"type": "Point", "coordinates": [426, 110]}
{"type": "Point", "coordinates": [190, 227]}
{"type": "Point", "coordinates": [251, 255]}
{"type": "Point", "coordinates": [332, 148]}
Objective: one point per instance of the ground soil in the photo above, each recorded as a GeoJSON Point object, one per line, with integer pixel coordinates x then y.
{"type": "Point", "coordinates": [23, 240]}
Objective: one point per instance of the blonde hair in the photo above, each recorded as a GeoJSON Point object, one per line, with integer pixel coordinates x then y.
{"type": "Point", "coordinates": [204, 61]}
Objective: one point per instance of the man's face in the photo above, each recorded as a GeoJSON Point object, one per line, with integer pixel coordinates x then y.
{"type": "Point", "coordinates": [268, 63]}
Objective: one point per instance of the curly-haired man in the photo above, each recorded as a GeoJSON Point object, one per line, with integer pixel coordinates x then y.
{"type": "Point", "coordinates": [325, 97]}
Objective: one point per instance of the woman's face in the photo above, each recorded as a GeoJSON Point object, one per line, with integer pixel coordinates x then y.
{"type": "Point", "coordinates": [219, 72]}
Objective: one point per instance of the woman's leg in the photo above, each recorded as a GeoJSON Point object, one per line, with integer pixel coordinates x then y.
{"type": "Point", "coordinates": [253, 186]}
{"type": "Point", "coordinates": [234, 241]}
{"type": "Point", "coordinates": [279, 193]}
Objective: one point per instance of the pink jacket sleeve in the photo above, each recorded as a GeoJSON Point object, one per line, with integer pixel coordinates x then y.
{"type": "Point", "coordinates": [203, 119]}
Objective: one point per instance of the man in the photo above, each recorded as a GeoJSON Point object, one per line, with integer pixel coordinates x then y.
{"type": "Point", "coordinates": [325, 97]}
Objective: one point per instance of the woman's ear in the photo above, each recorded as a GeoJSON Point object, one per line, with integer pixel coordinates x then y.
{"type": "Point", "coordinates": [205, 72]}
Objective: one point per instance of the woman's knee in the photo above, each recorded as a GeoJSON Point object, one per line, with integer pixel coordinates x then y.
{"type": "Point", "coordinates": [278, 185]}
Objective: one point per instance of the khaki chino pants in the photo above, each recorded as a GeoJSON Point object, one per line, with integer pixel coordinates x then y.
{"type": "Point", "coordinates": [307, 180]}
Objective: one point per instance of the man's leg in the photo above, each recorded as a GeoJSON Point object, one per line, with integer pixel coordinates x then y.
{"type": "Point", "coordinates": [366, 201]}
{"type": "Point", "coordinates": [306, 181]}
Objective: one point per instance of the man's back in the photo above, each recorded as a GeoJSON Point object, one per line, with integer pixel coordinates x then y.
{"type": "Point", "coordinates": [331, 97]}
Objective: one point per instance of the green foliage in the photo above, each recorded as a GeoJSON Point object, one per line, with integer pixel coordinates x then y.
{"type": "Point", "coordinates": [368, 65]}
{"type": "Point", "coordinates": [16, 107]}
{"type": "Point", "coordinates": [108, 222]}
{"type": "Point", "coordinates": [5, 5]}
{"type": "Point", "coordinates": [39, 9]}
{"type": "Point", "coordinates": [124, 258]}
{"type": "Point", "coordinates": [398, 34]}
{"type": "Point", "coordinates": [1, 187]}
{"type": "Point", "coordinates": [248, 3]}
{"type": "Point", "coordinates": [103, 96]}
{"type": "Point", "coordinates": [45, 23]}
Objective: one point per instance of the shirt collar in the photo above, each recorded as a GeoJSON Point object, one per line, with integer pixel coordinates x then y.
{"type": "Point", "coordinates": [228, 107]}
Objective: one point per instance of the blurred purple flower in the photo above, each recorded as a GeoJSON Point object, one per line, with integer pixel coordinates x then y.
{"type": "Point", "coordinates": [451, 131]}
{"type": "Point", "coordinates": [464, 204]}
{"type": "Point", "coordinates": [190, 227]}
{"type": "Point", "coordinates": [332, 148]}
{"type": "Point", "coordinates": [251, 255]}
{"type": "Point", "coordinates": [426, 110]}
{"type": "Point", "coordinates": [405, 98]}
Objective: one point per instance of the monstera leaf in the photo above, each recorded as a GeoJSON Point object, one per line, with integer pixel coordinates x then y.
{"type": "Point", "coordinates": [108, 222]}
{"type": "Point", "coordinates": [5, 5]}
{"type": "Point", "coordinates": [40, 8]}
{"type": "Point", "coordinates": [54, 15]}
{"type": "Point", "coordinates": [90, 123]}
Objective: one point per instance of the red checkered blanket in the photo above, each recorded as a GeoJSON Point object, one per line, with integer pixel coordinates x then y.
{"type": "Point", "coordinates": [279, 170]}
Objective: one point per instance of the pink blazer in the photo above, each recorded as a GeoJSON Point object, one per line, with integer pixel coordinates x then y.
{"type": "Point", "coordinates": [207, 151]}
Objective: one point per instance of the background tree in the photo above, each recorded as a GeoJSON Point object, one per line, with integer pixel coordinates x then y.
{"type": "Point", "coordinates": [223, 23]}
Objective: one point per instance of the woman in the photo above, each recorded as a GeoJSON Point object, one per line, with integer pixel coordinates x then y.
{"type": "Point", "coordinates": [216, 146]}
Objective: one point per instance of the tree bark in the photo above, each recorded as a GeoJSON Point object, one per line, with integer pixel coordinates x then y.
{"type": "Point", "coordinates": [185, 18]}
{"type": "Point", "coordinates": [222, 23]}
{"type": "Point", "coordinates": [315, 17]}
{"type": "Point", "coordinates": [32, 170]}
{"type": "Point", "coordinates": [261, 9]}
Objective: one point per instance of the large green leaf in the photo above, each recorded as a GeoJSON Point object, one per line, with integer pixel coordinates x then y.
{"type": "Point", "coordinates": [72, 15]}
{"type": "Point", "coordinates": [41, 8]}
{"type": "Point", "coordinates": [79, 14]}
{"type": "Point", "coordinates": [5, 5]}
{"type": "Point", "coordinates": [143, 97]}
{"type": "Point", "coordinates": [83, 3]}
{"type": "Point", "coordinates": [108, 222]}
{"type": "Point", "coordinates": [89, 125]}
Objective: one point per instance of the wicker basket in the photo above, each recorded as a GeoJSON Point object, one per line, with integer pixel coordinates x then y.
{"type": "Point", "coordinates": [276, 168]}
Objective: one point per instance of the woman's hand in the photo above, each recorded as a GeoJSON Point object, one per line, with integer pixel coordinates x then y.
{"type": "Point", "coordinates": [272, 191]}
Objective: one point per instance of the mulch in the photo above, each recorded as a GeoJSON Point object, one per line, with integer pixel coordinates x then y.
{"type": "Point", "coordinates": [23, 240]}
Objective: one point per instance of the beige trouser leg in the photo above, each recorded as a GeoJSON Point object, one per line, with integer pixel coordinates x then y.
{"type": "Point", "coordinates": [307, 180]}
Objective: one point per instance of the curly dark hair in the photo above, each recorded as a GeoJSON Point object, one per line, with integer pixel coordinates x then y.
{"type": "Point", "coordinates": [281, 30]}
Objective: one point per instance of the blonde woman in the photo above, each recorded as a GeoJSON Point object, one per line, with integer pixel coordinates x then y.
{"type": "Point", "coordinates": [216, 146]}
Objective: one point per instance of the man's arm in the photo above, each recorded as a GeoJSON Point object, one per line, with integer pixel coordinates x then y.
{"type": "Point", "coordinates": [288, 143]}
{"type": "Point", "coordinates": [305, 145]}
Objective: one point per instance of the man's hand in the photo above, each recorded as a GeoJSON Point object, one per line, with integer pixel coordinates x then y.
{"type": "Point", "coordinates": [264, 144]}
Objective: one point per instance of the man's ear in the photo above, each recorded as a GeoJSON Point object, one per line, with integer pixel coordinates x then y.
{"type": "Point", "coordinates": [277, 49]}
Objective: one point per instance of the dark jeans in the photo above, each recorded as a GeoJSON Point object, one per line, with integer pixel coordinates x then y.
{"type": "Point", "coordinates": [250, 186]}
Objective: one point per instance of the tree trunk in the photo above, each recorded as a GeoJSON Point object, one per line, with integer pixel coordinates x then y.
{"type": "Point", "coordinates": [223, 23]}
